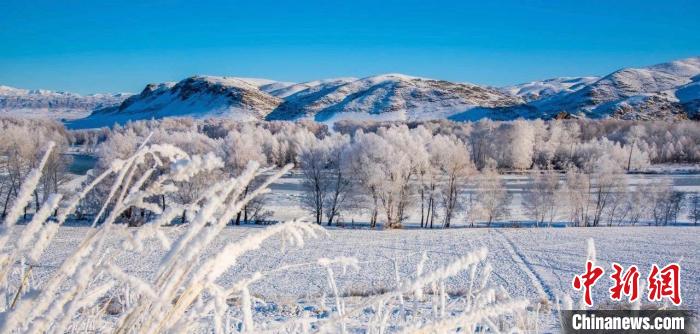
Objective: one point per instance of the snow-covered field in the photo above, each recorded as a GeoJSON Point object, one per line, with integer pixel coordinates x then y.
{"type": "Point", "coordinates": [208, 274]}
{"type": "Point", "coordinates": [536, 264]}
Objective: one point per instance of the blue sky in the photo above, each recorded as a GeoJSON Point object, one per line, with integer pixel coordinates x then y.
{"type": "Point", "coordinates": [102, 46]}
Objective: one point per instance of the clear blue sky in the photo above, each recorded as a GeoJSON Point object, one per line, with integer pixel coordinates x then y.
{"type": "Point", "coordinates": [101, 46]}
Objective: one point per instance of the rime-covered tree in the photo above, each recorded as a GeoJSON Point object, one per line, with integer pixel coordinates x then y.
{"type": "Point", "coordinates": [240, 148]}
{"type": "Point", "coordinates": [339, 177]}
{"type": "Point", "coordinates": [521, 141]}
{"type": "Point", "coordinates": [666, 204]}
{"type": "Point", "coordinates": [694, 208]}
{"type": "Point", "coordinates": [455, 167]}
{"type": "Point", "coordinates": [324, 174]}
{"type": "Point", "coordinates": [383, 165]}
{"type": "Point", "coordinates": [492, 196]}
{"type": "Point", "coordinates": [608, 182]}
{"type": "Point", "coordinates": [634, 134]}
{"type": "Point", "coordinates": [542, 197]}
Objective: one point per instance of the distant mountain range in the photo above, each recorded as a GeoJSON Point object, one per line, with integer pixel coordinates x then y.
{"type": "Point", "coordinates": [668, 91]}
{"type": "Point", "coordinates": [60, 105]}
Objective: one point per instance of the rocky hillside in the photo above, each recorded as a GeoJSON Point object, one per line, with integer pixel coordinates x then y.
{"type": "Point", "coordinates": [197, 96]}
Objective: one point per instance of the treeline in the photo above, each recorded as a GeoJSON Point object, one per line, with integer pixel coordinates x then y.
{"type": "Point", "coordinates": [438, 171]}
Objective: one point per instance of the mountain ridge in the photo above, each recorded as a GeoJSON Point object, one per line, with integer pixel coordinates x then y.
{"type": "Point", "coordinates": [666, 91]}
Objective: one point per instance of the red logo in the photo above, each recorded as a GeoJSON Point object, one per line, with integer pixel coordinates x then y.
{"type": "Point", "coordinates": [661, 282]}
{"type": "Point", "coordinates": [587, 280]}
{"type": "Point", "coordinates": [665, 283]}
{"type": "Point", "coordinates": [626, 283]}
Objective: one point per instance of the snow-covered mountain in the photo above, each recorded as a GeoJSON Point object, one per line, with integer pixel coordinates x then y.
{"type": "Point", "coordinates": [663, 91]}
{"type": "Point", "coordinates": [47, 103]}
{"type": "Point", "coordinates": [388, 97]}
{"type": "Point", "coordinates": [196, 96]}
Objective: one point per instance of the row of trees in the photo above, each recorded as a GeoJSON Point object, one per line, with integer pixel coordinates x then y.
{"type": "Point", "coordinates": [397, 169]}
{"type": "Point", "coordinates": [604, 197]}
{"type": "Point", "coordinates": [558, 144]}
{"type": "Point", "coordinates": [437, 171]}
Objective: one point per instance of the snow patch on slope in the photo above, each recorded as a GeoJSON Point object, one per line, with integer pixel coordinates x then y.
{"type": "Point", "coordinates": [536, 90]}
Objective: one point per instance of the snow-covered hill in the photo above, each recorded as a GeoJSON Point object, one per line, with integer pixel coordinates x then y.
{"type": "Point", "coordinates": [663, 91]}
{"type": "Point", "coordinates": [388, 97]}
{"type": "Point", "coordinates": [24, 102]}
{"type": "Point", "coordinates": [197, 96]}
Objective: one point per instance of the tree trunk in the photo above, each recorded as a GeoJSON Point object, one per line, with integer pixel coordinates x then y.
{"type": "Point", "coordinates": [36, 200]}
{"type": "Point", "coordinates": [7, 200]}
{"type": "Point", "coordinates": [375, 210]}
{"type": "Point", "coordinates": [422, 205]}
{"type": "Point", "coordinates": [245, 214]}
{"type": "Point", "coordinates": [629, 160]}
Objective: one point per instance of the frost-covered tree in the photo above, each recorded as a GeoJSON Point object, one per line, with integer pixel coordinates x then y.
{"type": "Point", "coordinates": [401, 161]}
{"type": "Point", "coordinates": [454, 167]}
{"type": "Point", "coordinates": [607, 188]}
{"type": "Point", "coordinates": [542, 197]}
{"type": "Point", "coordinates": [313, 161]}
{"type": "Point", "coordinates": [521, 141]}
{"type": "Point", "coordinates": [364, 160]}
{"type": "Point", "coordinates": [240, 148]}
{"type": "Point", "coordinates": [577, 190]}
{"type": "Point", "coordinates": [666, 204]}
{"type": "Point", "coordinates": [492, 196]}
{"type": "Point", "coordinates": [632, 137]}
{"type": "Point", "coordinates": [694, 208]}
{"type": "Point", "coordinates": [480, 142]}
{"type": "Point", "coordinates": [325, 175]}
{"type": "Point", "coordinates": [384, 167]}
{"type": "Point", "coordinates": [594, 191]}
{"type": "Point", "coordinates": [637, 204]}
{"type": "Point", "coordinates": [339, 177]}
{"type": "Point", "coordinates": [427, 172]}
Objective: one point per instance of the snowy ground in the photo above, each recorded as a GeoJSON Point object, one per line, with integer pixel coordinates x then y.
{"type": "Point", "coordinates": [532, 263]}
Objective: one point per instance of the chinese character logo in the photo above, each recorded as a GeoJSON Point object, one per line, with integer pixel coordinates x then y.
{"type": "Point", "coordinates": [665, 282]}
{"type": "Point", "coordinates": [626, 283]}
{"type": "Point", "coordinates": [587, 280]}
{"type": "Point", "coordinates": [661, 282]}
